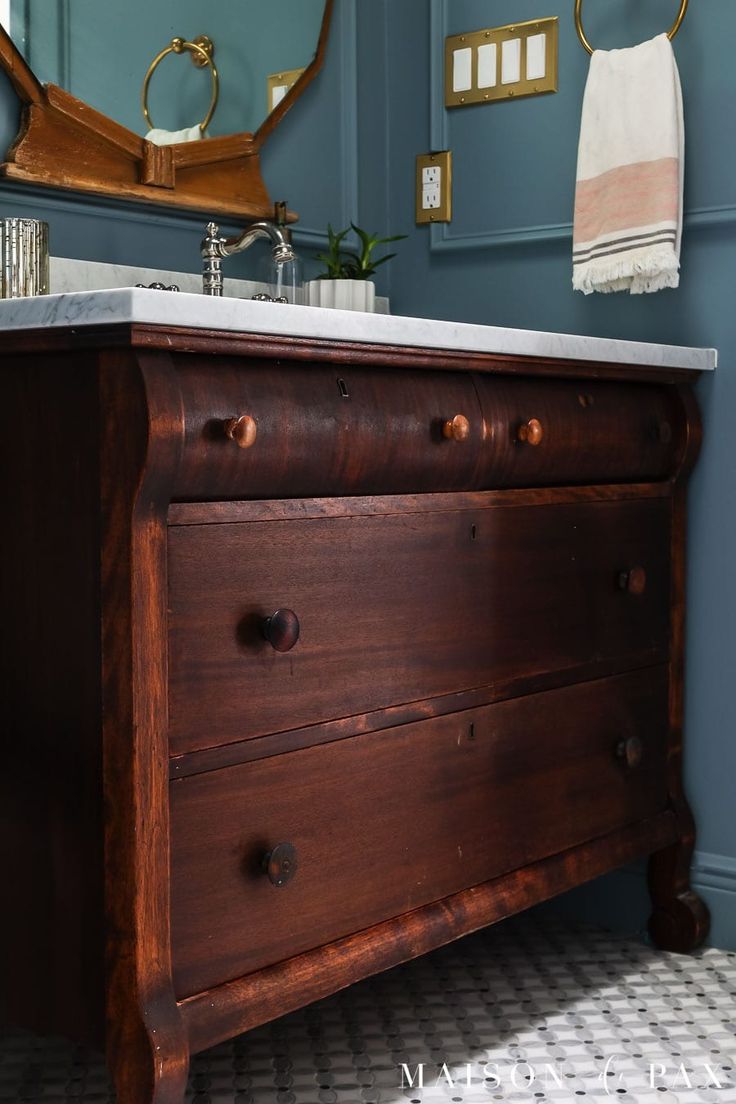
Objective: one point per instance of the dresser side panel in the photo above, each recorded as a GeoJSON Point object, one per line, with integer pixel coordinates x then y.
{"type": "Point", "coordinates": [51, 928]}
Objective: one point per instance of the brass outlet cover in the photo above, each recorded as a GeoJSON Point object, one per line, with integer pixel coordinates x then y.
{"type": "Point", "coordinates": [443, 213]}
{"type": "Point", "coordinates": [497, 36]}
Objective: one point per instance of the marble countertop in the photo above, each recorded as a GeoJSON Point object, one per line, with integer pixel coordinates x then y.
{"type": "Point", "coordinates": [141, 305]}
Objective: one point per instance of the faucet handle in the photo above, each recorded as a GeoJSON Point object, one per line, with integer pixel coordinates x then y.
{"type": "Point", "coordinates": [212, 238]}
{"type": "Point", "coordinates": [211, 260]}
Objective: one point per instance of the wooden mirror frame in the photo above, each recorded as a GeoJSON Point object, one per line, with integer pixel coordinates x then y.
{"type": "Point", "coordinates": [65, 143]}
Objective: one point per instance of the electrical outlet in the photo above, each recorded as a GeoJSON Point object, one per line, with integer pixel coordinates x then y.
{"type": "Point", "coordinates": [434, 187]}
{"type": "Point", "coordinates": [431, 197]}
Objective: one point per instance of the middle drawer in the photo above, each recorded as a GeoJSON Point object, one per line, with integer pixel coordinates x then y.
{"type": "Point", "coordinates": [398, 608]}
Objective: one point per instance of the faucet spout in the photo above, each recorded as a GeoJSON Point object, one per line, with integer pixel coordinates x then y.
{"type": "Point", "coordinates": [214, 249]}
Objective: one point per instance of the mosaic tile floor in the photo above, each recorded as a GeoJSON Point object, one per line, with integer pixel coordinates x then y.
{"type": "Point", "coordinates": [527, 1011]}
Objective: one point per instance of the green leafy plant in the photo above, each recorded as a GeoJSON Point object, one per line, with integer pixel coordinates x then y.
{"type": "Point", "coordinates": [353, 264]}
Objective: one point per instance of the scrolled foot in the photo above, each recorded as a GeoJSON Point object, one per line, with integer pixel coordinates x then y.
{"type": "Point", "coordinates": [149, 1065]}
{"type": "Point", "coordinates": [680, 924]}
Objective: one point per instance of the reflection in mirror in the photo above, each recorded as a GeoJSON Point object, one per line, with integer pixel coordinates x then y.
{"type": "Point", "coordinates": [101, 53]}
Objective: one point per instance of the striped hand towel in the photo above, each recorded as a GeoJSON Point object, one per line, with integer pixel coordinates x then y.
{"type": "Point", "coordinates": [628, 199]}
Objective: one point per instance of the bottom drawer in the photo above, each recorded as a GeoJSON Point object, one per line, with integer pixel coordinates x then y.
{"type": "Point", "coordinates": [385, 822]}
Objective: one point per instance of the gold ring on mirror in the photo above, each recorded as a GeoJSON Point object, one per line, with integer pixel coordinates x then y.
{"type": "Point", "coordinates": [201, 49]}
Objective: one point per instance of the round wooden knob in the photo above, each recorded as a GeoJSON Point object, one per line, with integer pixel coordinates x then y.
{"type": "Point", "coordinates": [280, 864]}
{"type": "Point", "coordinates": [531, 432]}
{"type": "Point", "coordinates": [457, 428]}
{"type": "Point", "coordinates": [634, 581]}
{"type": "Point", "coordinates": [242, 431]}
{"type": "Point", "coordinates": [630, 752]}
{"type": "Point", "coordinates": [281, 630]}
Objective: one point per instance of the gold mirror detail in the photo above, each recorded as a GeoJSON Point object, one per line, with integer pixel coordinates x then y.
{"type": "Point", "coordinates": [583, 37]}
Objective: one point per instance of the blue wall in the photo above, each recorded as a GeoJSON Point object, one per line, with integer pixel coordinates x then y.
{"type": "Point", "coordinates": [347, 150]}
{"type": "Point", "coordinates": [505, 259]}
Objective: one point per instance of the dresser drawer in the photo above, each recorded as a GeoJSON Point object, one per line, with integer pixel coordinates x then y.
{"type": "Point", "coordinates": [402, 607]}
{"type": "Point", "coordinates": [319, 430]}
{"type": "Point", "coordinates": [547, 432]}
{"type": "Point", "coordinates": [383, 823]}
{"type": "Point", "coordinates": [322, 430]}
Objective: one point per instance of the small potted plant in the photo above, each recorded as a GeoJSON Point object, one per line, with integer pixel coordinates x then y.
{"type": "Point", "coordinates": [346, 282]}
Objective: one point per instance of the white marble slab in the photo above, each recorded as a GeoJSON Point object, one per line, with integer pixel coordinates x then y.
{"type": "Point", "coordinates": [163, 308]}
{"type": "Point", "coordinates": [70, 274]}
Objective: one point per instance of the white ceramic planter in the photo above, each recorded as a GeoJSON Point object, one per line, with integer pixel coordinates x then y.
{"type": "Point", "coordinates": [357, 295]}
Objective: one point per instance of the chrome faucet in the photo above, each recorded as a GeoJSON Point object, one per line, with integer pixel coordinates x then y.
{"type": "Point", "coordinates": [214, 249]}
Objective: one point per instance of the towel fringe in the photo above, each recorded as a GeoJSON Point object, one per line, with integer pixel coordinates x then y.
{"type": "Point", "coordinates": [656, 270]}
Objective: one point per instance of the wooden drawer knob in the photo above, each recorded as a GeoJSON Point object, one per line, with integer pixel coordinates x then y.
{"type": "Point", "coordinates": [457, 428]}
{"type": "Point", "coordinates": [281, 630]}
{"type": "Point", "coordinates": [634, 581]}
{"type": "Point", "coordinates": [630, 752]}
{"type": "Point", "coordinates": [280, 864]}
{"type": "Point", "coordinates": [531, 432]}
{"type": "Point", "coordinates": [243, 431]}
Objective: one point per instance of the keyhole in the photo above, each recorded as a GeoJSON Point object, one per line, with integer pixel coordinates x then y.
{"type": "Point", "coordinates": [343, 388]}
{"type": "Point", "coordinates": [473, 532]}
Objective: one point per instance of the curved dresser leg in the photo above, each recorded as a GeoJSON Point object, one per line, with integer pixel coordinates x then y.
{"type": "Point", "coordinates": [147, 1044]}
{"type": "Point", "coordinates": [151, 1069]}
{"type": "Point", "coordinates": [680, 920]}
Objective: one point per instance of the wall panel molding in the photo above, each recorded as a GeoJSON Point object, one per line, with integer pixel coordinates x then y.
{"type": "Point", "coordinates": [699, 218]}
{"type": "Point", "coordinates": [347, 38]}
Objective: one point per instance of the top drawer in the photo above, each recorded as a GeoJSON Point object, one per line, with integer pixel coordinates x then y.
{"type": "Point", "coordinates": [315, 430]}
{"type": "Point", "coordinates": [318, 430]}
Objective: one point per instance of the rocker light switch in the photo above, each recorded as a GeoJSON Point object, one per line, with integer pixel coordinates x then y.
{"type": "Point", "coordinates": [502, 63]}
{"type": "Point", "coordinates": [434, 187]}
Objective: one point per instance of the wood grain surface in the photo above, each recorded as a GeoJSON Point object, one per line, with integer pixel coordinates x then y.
{"type": "Point", "coordinates": [401, 608]}
{"type": "Point", "coordinates": [483, 705]}
{"type": "Point", "coordinates": [436, 807]}
{"type": "Point", "coordinates": [257, 998]}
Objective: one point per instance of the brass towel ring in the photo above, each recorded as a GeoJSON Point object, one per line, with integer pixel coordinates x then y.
{"type": "Point", "coordinates": [581, 33]}
{"type": "Point", "coordinates": [201, 49]}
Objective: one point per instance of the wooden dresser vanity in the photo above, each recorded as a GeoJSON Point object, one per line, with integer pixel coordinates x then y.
{"type": "Point", "coordinates": [318, 655]}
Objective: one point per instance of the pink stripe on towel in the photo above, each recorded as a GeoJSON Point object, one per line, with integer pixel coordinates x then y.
{"type": "Point", "coordinates": [627, 197]}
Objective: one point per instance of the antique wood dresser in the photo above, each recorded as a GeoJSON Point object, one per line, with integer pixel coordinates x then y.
{"type": "Point", "coordinates": [316, 657]}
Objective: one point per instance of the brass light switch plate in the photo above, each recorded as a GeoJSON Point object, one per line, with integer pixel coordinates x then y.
{"type": "Point", "coordinates": [434, 187]}
{"type": "Point", "coordinates": [502, 63]}
{"type": "Point", "coordinates": [278, 85]}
